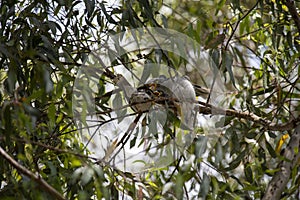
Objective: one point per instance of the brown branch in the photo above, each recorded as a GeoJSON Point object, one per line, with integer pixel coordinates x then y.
{"type": "Point", "coordinates": [291, 156]}
{"type": "Point", "coordinates": [209, 109]}
{"type": "Point", "coordinates": [41, 182]}
{"type": "Point", "coordinates": [293, 10]}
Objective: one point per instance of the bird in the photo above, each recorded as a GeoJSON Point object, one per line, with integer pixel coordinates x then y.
{"type": "Point", "coordinates": [175, 93]}
{"type": "Point", "coordinates": [178, 94]}
{"type": "Point", "coordinates": [139, 99]}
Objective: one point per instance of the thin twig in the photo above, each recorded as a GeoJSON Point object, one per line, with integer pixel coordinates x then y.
{"type": "Point", "coordinates": [238, 22]}
{"type": "Point", "coordinates": [122, 141]}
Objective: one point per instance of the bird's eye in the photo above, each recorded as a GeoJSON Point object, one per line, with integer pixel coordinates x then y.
{"type": "Point", "coordinates": [153, 86]}
{"type": "Point", "coordinates": [157, 93]}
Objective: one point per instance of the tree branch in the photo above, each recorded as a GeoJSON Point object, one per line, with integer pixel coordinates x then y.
{"type": "Point", "coordinates": [21, 169]}
{"type": "Point", "coordinates": [209, 109]}
{"type": "Point", "coordinates": [293, 10]}
{"type": "Point", "coordinates": [291, 156]}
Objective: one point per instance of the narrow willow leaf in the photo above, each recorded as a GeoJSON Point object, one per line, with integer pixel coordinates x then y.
{"type": "Point", "coordinates": [271, 150]}
{"type": "Point", "coordinates": [205, 185]}
{"type": "Point", "coordinates": [248, 173]}
{"type": "Point", "coordinates": [227, 61]}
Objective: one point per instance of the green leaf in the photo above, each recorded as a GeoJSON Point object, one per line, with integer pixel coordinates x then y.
{"type": "Point", "coordinates": [219, 153]}
{"type": "Point", "coordinates": [147, 9]}
{"type": "Point", "coordinates": [251, 134]}
{"type": "Point", "coordinates": [52, 113]}
{"type": "Point", "coordinates": [236, 148]}
{"type": "Point", "coordinates": [263, 90]}
{"type": "Point", "coordinates": [205, 185]}
{"type": "Point", "coordinates": [132, 142]}
{"type": "Point", "coordinates": [47, 81]}
{"type": "Point", "coordinates": [164, 20]}
{"type": "Point", "coordinates": [201, 145]}
{"type": "Point", "coordinates": [215, 42]}
{"type": "Point", "coordinates": [117, 105]}
{"type": "Point", "coordinates": [107, 15]}
{"type": "Point", "coordinates": [167, 187]}
{"type": "Point", "coordinates": [82, 195]}
{"type": "Point", "coordinates": [90, 6]}
{"type": "Point", "coordinates": [248, 173]}
{"type": "Point", "coordinates": [236, 162]}
{"type": "Point", "coordinates": [153, 126]}
{"type": "Point", "coordinates": [227, 61]}
{"type": "Point", "coordinates": [146, 73]}
{"type": "Point", "coordinates": [179, 186]}
{"type": "Point", "coordinates": [271, 150]}
{"type": "Point", "coordinates": [87, 175]}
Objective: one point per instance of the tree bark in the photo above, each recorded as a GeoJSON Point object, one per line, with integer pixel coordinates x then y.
{"type": "Point", "coordinates": [291, 156]}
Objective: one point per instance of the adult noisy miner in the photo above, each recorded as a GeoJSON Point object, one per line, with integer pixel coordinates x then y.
{"type": "Point", "coordinates": [175, 93]}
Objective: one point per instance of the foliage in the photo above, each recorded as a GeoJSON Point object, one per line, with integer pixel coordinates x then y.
{"type": "Point", "coordinates": [43, 44]}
